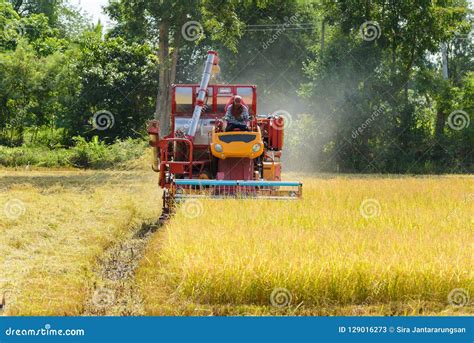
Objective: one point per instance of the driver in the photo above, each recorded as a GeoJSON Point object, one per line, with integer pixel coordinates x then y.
{"type": "Point", "coordinates": [237, 115]}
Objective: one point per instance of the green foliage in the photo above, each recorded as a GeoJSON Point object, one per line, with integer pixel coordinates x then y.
{"type": "Point", "coordinates": [87, 153]}
{"type": "Point", "coordinates": [139, 20]}
{"type": "Point", "coordinates": [44, 136]}
{"type": "Point", "coordinates": [9, 22]}
{"type": "Point", "coordinates": [33, 156]}
{"type": "Point", "coordinates": [367, 105]}
{"type": "Point", "coordinates": [399, 71]}
{"type": "Point", "coordinates": [116, 77]}
{"type": "Point", "coordinates": [45, 39]}
{"type": "Point", "coordinates": [84, 154]}
{"type": "Point", "coordinates": [32, 90]}
{"type": "Point", "coordinates": [47, 81]}
{"type": "Point", "coordinates": [96, 154]}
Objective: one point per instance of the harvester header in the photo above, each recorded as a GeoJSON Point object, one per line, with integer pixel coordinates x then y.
{"type": "Point", "coordinates": [218, 146]}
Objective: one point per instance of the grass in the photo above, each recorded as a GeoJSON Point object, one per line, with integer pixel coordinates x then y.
{"type": "Point", "coordinates": [54, 227]}
{"type": "Point", "coordinates": [326, 252]}
{"type": "Point", "coordinates": [91, 154]}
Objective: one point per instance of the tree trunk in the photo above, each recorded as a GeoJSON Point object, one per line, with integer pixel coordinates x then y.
{"type": "Point", "coordinates": [439, 126]}
{"type": "Point", "coordinates": [174, 62]}
{"type": "Point", "coordinates": [162, 112]}
{"type": "Point", "coordinates": [441, 113]}
{"type": "Point", "coordinates": [323, 29]}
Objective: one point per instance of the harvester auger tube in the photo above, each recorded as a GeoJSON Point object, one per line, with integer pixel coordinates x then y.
{"type": "Point", "coordinates": [212, 59]}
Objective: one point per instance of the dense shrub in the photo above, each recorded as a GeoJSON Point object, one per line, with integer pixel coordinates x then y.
{"type": "Point", "coordinates": [84, 154]}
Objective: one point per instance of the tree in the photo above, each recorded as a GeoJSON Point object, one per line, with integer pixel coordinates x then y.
{"type": "Point", "coordinates": [176, 24]}
{"type": "Point", "coordinates": [117, 79]}
{"type": "Point", "coordinates": [49, 8]}
{"type": "Point", "coordinates": [375, 55]}
{"type": "Point", "coordinates": [9, 21]}
{"type": "Point", "coordinates": [271, 52]}
{"type": "Point", "coordinates": [28, 91]}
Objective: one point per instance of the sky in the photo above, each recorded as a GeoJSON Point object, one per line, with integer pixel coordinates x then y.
{"type": "Point", "coordinates": [94, 9]}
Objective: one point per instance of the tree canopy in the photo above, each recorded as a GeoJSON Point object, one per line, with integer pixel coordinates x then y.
{"type": "Point", "coordinates": [365, 86]}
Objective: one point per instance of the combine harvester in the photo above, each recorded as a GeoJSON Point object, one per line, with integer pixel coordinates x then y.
{"type": "Point", "coordinates": [200, 159]}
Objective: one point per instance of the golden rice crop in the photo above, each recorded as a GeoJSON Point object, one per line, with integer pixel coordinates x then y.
{"type": "Point", "coordinates": [391, 245]}
{"type": "Point", "coordinates": [351, 246]}
{"type": "Point", "coordinates": [53, 227]}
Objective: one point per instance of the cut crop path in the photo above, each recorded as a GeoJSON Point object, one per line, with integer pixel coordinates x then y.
{"type": "Point", "coordinates": [352, 246]}
{"type": "Point", "coordinates": [55, 227]}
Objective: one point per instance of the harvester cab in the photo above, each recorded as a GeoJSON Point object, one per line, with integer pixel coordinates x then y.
{"type": "Point", "coordinates": [199, 158]}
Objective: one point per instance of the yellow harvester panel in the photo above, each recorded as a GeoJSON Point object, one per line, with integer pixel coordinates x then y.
{"type": "Point", "coordinates": [243, 144]}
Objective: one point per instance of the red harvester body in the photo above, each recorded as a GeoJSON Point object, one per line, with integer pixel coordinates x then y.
{"type": "Point", "coordinates": [198, 158]}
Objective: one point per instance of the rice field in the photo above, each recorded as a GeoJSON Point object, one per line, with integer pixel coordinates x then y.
{"type": "Point", "coordinates": [54, 227]}
{"type": "Point", "coordinates": [352, 246]}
